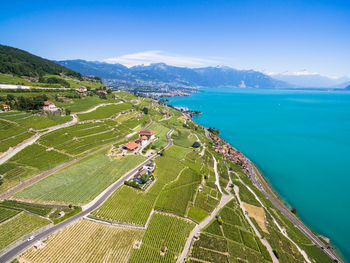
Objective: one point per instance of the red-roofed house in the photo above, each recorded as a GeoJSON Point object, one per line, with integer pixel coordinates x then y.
{"type": "Point", "coordinates": [131, 146]}
{"type": "Point", "coordinates": [147, 132]}
{"type": "Point", "coordinates": [49, 106]}
{"type": "Point", "coordinates": [142, 140]}
{"type": "Point", "coordinates": [5, 107]}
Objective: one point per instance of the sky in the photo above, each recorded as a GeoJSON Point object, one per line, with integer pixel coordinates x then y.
{"type": "Point", "coordinates": [269, 36]}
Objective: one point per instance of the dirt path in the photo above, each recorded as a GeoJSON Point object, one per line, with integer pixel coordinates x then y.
{"type": "Point", "coordinates": [216, 174]}
{"type": "Point", "coordinates": [12, 151]}
{"type": "Point", "coordinates": [302, 252]}
{"type": "Point", "coordinates": [264, 241]}
{"type": "Point", "coordinates": [224, 200]}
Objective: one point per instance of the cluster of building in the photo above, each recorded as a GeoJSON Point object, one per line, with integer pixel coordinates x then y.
{"type": "Point", "coordinates": [145, 136]}
{"type": "Point", "coordinates": [229, 152]}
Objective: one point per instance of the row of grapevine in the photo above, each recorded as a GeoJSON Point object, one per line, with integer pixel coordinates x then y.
{"type": "Point", "coordinates": [86, 241]}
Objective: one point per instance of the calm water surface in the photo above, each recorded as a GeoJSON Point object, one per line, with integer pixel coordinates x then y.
{"type": "Point", "coordinates": [300, 140]}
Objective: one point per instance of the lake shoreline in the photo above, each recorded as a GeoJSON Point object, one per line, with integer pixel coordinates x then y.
{"type": "Point", "coordinates": [283, 203]}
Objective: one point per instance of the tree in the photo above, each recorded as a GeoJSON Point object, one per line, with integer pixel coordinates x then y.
{"type": "Point", "coordinates": [144, 178]}
{"type": "Point", "coordinates": [196, 144]}
{"type": "Point", "coordinates": [145, 110]}
{"type": "Point", "coordinates": [294, 211]}
{"type": "Point", "coordinates": [68, 111]}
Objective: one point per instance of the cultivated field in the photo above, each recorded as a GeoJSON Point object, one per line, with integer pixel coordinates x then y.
{"type": "Point", "coordinates": [80, 138]}
{"type": "Point", "coordinates": [104, 112]}
{"type": "Point", "coordinates": [86, 241]}
{"type": "Point", "coordinates": [128, 205]}
{"type": "Point", "coordinates": [176, 196]}
{"type": "Point", "coordinates": [168, 232]}
{"type": "Point", "coordinates": [31, 160]}
{"type": "Point", "coordinates": [80, 183]}
{"type": "Point", "coordinates": [6, 213]}
{"type": "Point", "coordinates": [11, 134]}
{"type": "Point", "coordinates": [19, 226]}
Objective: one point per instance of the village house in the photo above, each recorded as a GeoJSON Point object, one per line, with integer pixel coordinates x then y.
{"type": "Point", "coordinates": [147, 132]}
{"type": "Point", "coordinates": [5, 107]}
{"type": "Point", "coordinates": [49, 106]}
{"type": "Point", "coordinates": [131, 146]}
{"type": "Point", "coordinates": [32, 79]}
{"type": "Point", "coordinates": [101, 92]}
{"type": "Point", "coordinates": [81, 90]}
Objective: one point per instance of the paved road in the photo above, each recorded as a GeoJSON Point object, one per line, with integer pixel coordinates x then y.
{"type": "Point", "coordinates": [26, 244]}
{"type": "Point", "coordinates": [270, 194]}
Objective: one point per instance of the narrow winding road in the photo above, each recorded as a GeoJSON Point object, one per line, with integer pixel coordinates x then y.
{"type": "Point", "coordinates": [8, 256]}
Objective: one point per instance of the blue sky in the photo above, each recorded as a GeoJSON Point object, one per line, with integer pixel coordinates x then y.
{"type": "Point", "coordinates": [271, 36]}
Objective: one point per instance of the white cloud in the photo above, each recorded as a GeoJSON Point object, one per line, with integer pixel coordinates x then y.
{"type": "Point", "coordinates": [156, 56]}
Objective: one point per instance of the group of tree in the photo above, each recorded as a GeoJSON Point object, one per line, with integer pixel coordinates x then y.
{"type": "Point", "coordinates": [214, 131]}
{"type": "Point", "coordinates": [22, 103]}
{"type": "Point", "coordinates": [19, 62]}
{"type": "Point", "coordinates": [55, 80]}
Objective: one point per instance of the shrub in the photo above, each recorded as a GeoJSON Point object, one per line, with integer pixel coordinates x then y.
{"type": "Point", "coordinates": [196, 145]}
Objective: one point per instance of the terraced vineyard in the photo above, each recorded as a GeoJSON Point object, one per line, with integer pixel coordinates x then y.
{"type": "Point", "coordinates": [104, 112]}
{"type": "Point", "coordinates": [81, 182]}
{"type": "Point", "coordinates": [167, 232]}
{"type": "Point", "coordinates": [11, 134]}
{"type": "Point", "coordinates": [6, 213]}
{"type": "Point", "coordinates": [19, 226]}
{"type": "Point", "coordinates": [86, 241]}
{"type": "Point", "coordinates": [176, 196]}
{"type": "Point", "coordinates": [79, 138]}
{"type": "Point", "coordinates": [128, 205]}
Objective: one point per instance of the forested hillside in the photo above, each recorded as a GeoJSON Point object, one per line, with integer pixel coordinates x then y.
{"type": "Point", "coordinates": [19, 62]}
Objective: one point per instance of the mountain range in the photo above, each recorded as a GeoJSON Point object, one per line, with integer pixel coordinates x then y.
{"type": "Point", "coordinates": [172, 76]}
{"type": "Point", "coordinates": [163, 74]}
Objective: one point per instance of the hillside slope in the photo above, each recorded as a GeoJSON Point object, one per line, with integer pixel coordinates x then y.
{"type": "Point", "coordinates": [22, 63]}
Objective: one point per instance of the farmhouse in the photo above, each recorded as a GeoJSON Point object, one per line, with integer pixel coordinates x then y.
{"type": "Point", "coordinates": [142, 140]}
{"type": "Point", "coordinates": [49, 106]}
{"type": "Point", "coordinates": [147, 132]}
{"type": "Point", "coordinates": [5, 107]}
{"type": "Point", "coordinates": [131, 146]}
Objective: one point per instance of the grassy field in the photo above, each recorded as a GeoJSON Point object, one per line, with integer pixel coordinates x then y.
{"type": "Point", "coordinates": [81, 182]}
{"type": "Point", "coordinates": [132, 206]}
{"type": "Point", "coordinates": [86, 241]}
{"type": "Point", "coordinates": [104, 112]}
{"type": "Point", "coordinates": [19, 226]}
{"type": "Point", "coordinates": [163, 230]}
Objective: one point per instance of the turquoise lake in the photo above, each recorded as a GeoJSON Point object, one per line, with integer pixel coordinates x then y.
{"type": "Point", "coordinates": [300, 140]}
